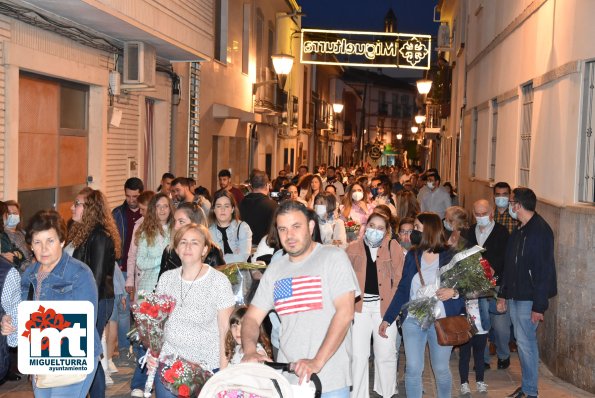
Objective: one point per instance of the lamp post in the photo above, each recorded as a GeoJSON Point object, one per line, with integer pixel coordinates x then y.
{"type": "Point", "coordinates": [282, 63]}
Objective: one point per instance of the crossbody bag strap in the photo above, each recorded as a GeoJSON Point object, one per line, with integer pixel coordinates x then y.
{"type": "Point", "coordinates": [421, 278]}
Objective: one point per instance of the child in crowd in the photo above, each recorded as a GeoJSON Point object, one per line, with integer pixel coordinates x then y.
{"type": "Point", "coordinates": [478, 343]}
{"type": "Point", "coordinates": [233, 341]}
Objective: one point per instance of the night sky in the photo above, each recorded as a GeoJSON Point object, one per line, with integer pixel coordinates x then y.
{"type": "Point", "coordinates": [413, 16]}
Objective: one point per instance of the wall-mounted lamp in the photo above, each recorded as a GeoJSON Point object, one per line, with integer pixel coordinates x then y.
{"type": "Point", "coordinates": [419, 119]}
{"type": "Point", "coordinates": [414, 129]}
{"type": "Point", "coordinates": [424, 86]}
{"type": "Point", "coordinates": [282, 63]}
{"type": "Point", "coordinates": [337, 108]}
{"type": "Point", "coordinates": [400, 136]}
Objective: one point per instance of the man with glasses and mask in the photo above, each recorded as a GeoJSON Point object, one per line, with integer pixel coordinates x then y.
{"type": "Point", "coordinates": [493, 238]}
{"type": "Point", "coordinates": [404, 233]}
{"type": "Point", "coordinates": [529, 281]}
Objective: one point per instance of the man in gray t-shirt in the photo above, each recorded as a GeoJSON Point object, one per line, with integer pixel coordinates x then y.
{"type": "Point", "coordinates": [313, 290]}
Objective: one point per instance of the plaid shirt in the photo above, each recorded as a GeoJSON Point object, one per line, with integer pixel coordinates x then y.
{"type": "Point", "coordinates": [506, 220]}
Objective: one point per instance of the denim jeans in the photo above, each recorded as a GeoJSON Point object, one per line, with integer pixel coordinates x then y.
{"type": "Point", "coordinates": [160, 390]}
{"type": "Point", "coordinates": [75, 390]}
{"type": "Point", "coordinates": [415, 340]}
{"type": "Point", "coordinates": [104, 312]}
{"type": "Point", "coordinates": [121, 314]}
{"type": "Point", "coordinates": [340, 393]}
{"type": "Point", "coordinates": [525, 332]}
{"type": "Point", "coordinates": [501, 326]}
{"type": "Point", "coordinates": [139, 378]}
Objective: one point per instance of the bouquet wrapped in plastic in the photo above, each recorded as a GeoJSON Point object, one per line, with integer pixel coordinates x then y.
{"type": "Point", "coordinates": [244, 279]}
{"type": "Point", "coordinates": [183, 378]}
{"type": "Point", "coordinates": [150, 314]}
{"type": "Point", "coordinates": [352, 228]}
{"type": "Point", "coordinates": [467, 272]}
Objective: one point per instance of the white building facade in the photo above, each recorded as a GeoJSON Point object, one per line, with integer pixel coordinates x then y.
{"type": "Point", "coordinates": [522, 111]}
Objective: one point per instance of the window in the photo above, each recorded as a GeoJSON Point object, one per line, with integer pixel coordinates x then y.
{"type": "Point", "coordinates": [473, 160]}
{"type": "Point", "coordinates": [221, 8]}
{"type": "Point", "coordinates": [587, 170]}
{"type": "Point", "coordinates": [395, 107]}
{"type": "Point", "coordinates": [494, 134]}
{"type": "Point", "coordinates": [260, 68]}
{"type": "Point", "coordinates": [382, 105]}
{"type": "Point", "coordinates": [526, 117]}
{"type": "Point", "coordinates": [246, 39]}
{"type": "Point", "coordinates": [73, 109]}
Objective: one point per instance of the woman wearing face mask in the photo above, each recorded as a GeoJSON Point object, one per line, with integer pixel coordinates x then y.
{"type": "Point", "coordinates": [332, 230]}
{"type": "Point", "coordinates": [420, 279]}
{"type": "Point", "coordinates": [378, 263]}
{"type": "Point", "coordinates": [14, 247]}
{"type": "Point", "coordinates": [313, 189]}
{"type": "Point", "coordinates": [456, 225]}
{"type": "Point", "coordinates": [356, 205]}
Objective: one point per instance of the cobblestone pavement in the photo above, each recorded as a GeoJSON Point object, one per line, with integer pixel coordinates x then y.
{"type": "Point", "coordinates": [501, 382]}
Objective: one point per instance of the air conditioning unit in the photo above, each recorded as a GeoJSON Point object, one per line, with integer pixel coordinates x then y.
{"type": "Point", "coordinates": [140, 60]}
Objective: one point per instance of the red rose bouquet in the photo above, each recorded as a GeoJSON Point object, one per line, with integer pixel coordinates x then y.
{"type": "Point", "coordinates": [150, 314]}
{"type": "Point", "coordinates": [184, 378]}
{"type": "Point", "coordinates": [352, 228]}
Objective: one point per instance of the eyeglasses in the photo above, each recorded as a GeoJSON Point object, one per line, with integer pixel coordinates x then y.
{"type": "Point", "coordinates": [403, 232]}
{"type": "Point", "coordinates": [77, 203]}
{"type": "Point", "coordinates": [513, 201]}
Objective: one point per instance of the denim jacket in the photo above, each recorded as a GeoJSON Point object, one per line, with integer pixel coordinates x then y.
{"type": "Point", "coordinates": [239, 237]}
{"type": "Point", "coordinates": [70, 280]}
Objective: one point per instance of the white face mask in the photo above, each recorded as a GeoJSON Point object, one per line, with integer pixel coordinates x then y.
{"type": "Point", "coordinates": [13, 220]}
{"type": "Point", "coordinates": [357, 196]}
{"type": "Point", "coordinates": [430, 185]}
{"type": "Point", "coordinates": [501, 201]}
{"type": "Point", "coordinates": [483, 221]}
{"type": "Point", "coordinates": [512, 213]}
{"type": "Point", "coordinates": [320, 211]}
{"type": "Point", "coordinates": [447, 225]}
{"type": "Point", "coordinates": [374, 237]}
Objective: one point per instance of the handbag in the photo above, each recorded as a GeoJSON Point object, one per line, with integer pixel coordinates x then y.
{"type": "Point", "coordinates": [451, 330]}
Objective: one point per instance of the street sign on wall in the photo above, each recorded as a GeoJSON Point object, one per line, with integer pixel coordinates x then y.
{"type": "Point", "coordinates": [355, 48]}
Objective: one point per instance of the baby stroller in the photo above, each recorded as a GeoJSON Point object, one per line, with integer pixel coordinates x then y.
{"type": "Point", "coordinates": [256, 380]}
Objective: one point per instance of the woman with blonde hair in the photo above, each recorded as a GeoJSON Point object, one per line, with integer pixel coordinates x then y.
{"type": "Point", "coordinates": [94, 239]}
{"type": "Point", "coordinates": [406, 204]}
{"type": "Point", "coordinates": [455, 224]}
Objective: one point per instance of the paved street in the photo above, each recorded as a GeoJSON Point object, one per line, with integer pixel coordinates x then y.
{"type": "Point", "coordinates": [501, 382]}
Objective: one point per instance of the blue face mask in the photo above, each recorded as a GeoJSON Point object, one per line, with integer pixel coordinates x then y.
{"type": "Point", "coordinates": [512, 213]}
{"type": "Point", "coordinates": [447, 225]}
{"type": "Point", "coordinates": [374, 237]}
{"type": "Point", "coordinates": [12, 220]}
{"type": "Point", "coordinates": [374, 191]}
{"type": "Point", "coordinates": [501, 201]}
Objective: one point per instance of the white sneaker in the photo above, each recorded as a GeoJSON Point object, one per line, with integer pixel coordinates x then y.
{"type": "Point", "coordinates": [111, 368]}
{"type": "Point", "coordinates": [108, 380]}
{"type": "Point", "coordinates": [465, 388]}
{"type": "Point", "coordinates": [137, 392]}
{"type": "Point", "coordinates": [482, 387]}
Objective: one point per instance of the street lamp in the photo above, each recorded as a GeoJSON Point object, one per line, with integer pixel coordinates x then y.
{"type": "Point", "coordinates": [424, 86]}
{"type": "Point", "coordinates": [419, 119]}
{"type": "Point", "coordinates": [282, 63]}
{"type": "Point", "coordinates": [337, 108]}
{"type": "Point", "coordinates": [399, 136]}
{"type": "Point", "coordinates": [414, 129]}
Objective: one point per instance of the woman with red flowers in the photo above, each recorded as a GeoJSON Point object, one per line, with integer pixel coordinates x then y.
{"type": "Point", "coordinates": [196, 328]}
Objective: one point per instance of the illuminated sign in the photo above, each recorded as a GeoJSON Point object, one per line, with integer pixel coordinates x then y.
{"type": "Point", "coordinates": [378, 49]}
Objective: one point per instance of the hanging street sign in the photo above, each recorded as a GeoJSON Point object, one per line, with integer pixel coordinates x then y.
{"type": "Point", "coordinates": [355, 48]}
{"type": "Point", "coordinates": [375, 152]}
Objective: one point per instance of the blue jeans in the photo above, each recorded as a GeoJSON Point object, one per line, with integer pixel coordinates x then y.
{"type": "Point", "coordinates": [121, 314]}
{"type": "Point", "coordinates": [415, 340]}
{"type": "Point", "coordinates": [501, 326]}
{"type": "Point", "coordinates": [525, 332]}
{"type": "Point", "coordinates": [104, 312]}
{"type": "Point", "coordinates": [160, 390]}
{"type": "Point", "coordinates": [139, 378]}
{"type": "Point", "coordinates": [75, 390]}
{"type": "Point", "coordinates": [340, 393]}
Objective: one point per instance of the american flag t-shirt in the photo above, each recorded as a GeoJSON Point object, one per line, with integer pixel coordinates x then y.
{"type": "Point", "coordinates": [298, 294]}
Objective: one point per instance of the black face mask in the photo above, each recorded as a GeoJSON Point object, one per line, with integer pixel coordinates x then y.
{"type": "Point", "coordinates": [415, 237]}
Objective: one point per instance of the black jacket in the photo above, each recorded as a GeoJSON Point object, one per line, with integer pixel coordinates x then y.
{"type": "Point", "coordinates": [257, 210]}
{"type": "Point", "coordinates": [529, 268]}
{"type": "Point", "coordinates": [495, 246]}
{"type": "Point", "coordinates": [99, 254]}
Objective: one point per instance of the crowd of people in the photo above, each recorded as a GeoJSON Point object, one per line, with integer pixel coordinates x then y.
{"type": "Point", "coordinates": [344, 249]}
